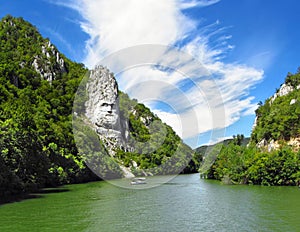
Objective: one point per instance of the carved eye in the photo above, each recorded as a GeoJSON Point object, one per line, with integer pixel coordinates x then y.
{"type": "Point", "coordinates": [104, 104]}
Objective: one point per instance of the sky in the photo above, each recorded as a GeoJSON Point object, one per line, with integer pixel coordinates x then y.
{"type": "Point", "coordinates": [201, 66]}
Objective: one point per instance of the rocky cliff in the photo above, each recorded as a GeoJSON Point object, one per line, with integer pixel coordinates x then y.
{"type": "Point", "coordinates": [38, 145]}
{"type": "Point", "coordinates": [37, 88]}
{"type": "Point", "coordinates": [277, 120]}
{"type": "Point", "coordinates": [49, 62]}
{"type": "Point", "coordinates": [272, 156]}
{"type": "Point", "coordinates": [22, 43]}
{"type": "Point", "coordinates": [137, 140]}
{"type": "Point", "coordinates": [133, 137]}
{"type": "Point", "coordinates": [103, 110]}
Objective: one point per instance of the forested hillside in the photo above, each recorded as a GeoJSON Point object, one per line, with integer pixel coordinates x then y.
{"type": "Point", "coordinates": [37, 86]}
{"type": "Point", "coordinates": [273, 155]}
{"type": "Point", "coordinates": [279, 117]}
{"type": "Point", "coordinates": [158, 148]}
{"type": "Point", "coordinates": [37, 90]}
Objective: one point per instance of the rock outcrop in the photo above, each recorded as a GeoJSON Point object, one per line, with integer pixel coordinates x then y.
{"type": "Point", "coordinates": [284, 90]}
{"type": "Point", "coordinates": [49, 63]}
{"type": "Point", "coordinates": [102, 109]}
{"type": "Point", "coordinates": [293, 101]}
{"type": "Point", "coordinates": [272, 137]}
{"type": "Point", "coordinates": [295, 143]}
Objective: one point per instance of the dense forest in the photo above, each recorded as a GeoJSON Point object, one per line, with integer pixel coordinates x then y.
{"type": "Point", "coordinates": [37, 147]}
{"type": "Point", "coordinates": [272, 156]}
{"type": "Point", "coordinates": [36, 144]}
{"type": "Point", "coordinates": [279, 117]}
{"type": "Point", "coordinates": [158, 148]}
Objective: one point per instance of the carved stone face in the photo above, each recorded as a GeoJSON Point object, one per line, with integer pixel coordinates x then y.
{"type": "Point", "coordinates": [106, 114]}
{"type": "Point", "coordinates": [102, 107]}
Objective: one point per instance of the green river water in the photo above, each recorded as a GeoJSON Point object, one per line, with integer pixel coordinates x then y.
{"type": "Point", "coordinates": [186, 203]}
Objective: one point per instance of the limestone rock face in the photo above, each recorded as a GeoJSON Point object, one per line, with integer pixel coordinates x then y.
{"type": "Point", "coordinates": [295, 143]}
{"type": "Point", "coordinates": [272, 144]}
{"type": "Point", "coordinates": [102, 109]}
{"type": "Point", "coordinates": [262, 143]}
{"type": "Point", "coordinates": [49, 63]}
{"type": "Point", "coordinates": [284, 90]}
{"type": "Point", "coordinates": [293, 101]}
{"type": "Point", "coordinates": [255, 123]}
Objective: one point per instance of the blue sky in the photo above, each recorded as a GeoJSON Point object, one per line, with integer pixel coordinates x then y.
{"type": "Point", "coordinates": [247, 46]}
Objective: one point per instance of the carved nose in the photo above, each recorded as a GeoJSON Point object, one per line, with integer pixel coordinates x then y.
{"type": "Point", "coordinates": [109, 109]}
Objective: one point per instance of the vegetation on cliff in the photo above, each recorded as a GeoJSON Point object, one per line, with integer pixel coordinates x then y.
{"type": "Point", "coordinates": [269, 158]}
{"type": "Point", "coordinates": [37, 90]}
{"type": "Point", "coordinates": [279, 118]}
{"type": "Point", "coordinates": [156, 147]}
{"type": "Point", "coordinates": [36, 143]}
{"type": "Point", "coordinates": [237, 164]}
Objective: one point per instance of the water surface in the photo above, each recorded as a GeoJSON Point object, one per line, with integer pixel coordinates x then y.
{"type": "Point", "coordinates": [186, 203]}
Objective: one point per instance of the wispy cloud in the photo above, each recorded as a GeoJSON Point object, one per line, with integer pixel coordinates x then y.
{"type": "Point", "coordinates": [208, 96]}
{"type": "Point", "coordinates": [184, 4]}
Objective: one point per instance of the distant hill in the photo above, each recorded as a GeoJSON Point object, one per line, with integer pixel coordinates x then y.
{"type": "Point", "coordinates": [202, 149]}
{"type": "Point", "coordinates": [207, 154]}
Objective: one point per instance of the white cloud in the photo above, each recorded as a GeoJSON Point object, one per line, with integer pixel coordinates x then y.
{"type": "Point", "coordinates": [217, 93]}
{"type": "Point", "coordinates": [118, 24]}
{"type": "Point", "coordinates": [184, 4]}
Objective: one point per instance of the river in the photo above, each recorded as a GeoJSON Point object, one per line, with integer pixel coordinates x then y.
{"type": "Point", "coordinates": [185, 203]}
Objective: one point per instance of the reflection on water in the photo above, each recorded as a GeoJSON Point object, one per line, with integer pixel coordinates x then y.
{"type": "Point", "coordinates": [186, 203]}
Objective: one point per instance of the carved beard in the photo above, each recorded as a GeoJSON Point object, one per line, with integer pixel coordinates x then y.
{"type": "Point", "coordinates": [108, 121]}
{"type": "Point", "coordinates": [107, 116]}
